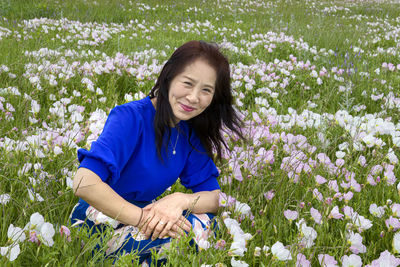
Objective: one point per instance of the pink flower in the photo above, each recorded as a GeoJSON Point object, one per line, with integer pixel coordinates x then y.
{"type": "Point", "coordinates": [362, 161]}
{"type": "Point", "coordinates": [320, 180]}
{"type": "Point", "coordinates": [355, 240]}
{"type": "Point", "coordinates": [355, 185]}
{"type": "Point", "coordinates": [340, 162]}
{"type": "Point", "coordinates": [317, 194]}
{"type": "Point", "coordinates": [269, 195]}
{"type": "Point", "coordinates": [291, 214]}
{"type": "Point", "coordinates": [237, 173]}
{"type": "Point", "coordinates": [316, 215]}
{"type": "Point", "coordinates": [269, 157]}
{"type": "Point", "coordinates": [349, 212]}
{"type": "Point", "coordinates": [392, 223]}
{"type": "Point", "coordinates": [371, 180]}
{"type": "Point", "coordinates": [375, 170]}
{"type": "Point", "coordinates": [395, 209]}
{"type": "Point", "coordinates": [33, 237]}
{"type": "Point", "coordinates": [348, 196]}
{"type": "Point", "coordinates": [327, 260]}
{"type": "Point", "coordinates": [66, 232]}
{"type": "Point", "coordinates": [385, 259]}
{"type": "Point", "coordinates": [226, 200]}
{"type": "Point", "coordinates": [332, 184]}
{"type": "Point", "coordinates": [323, 158]}
{"type": "Point", "coordinates": [335, 214]}
{"type": "Point", "coordinates": [389, 177]}
{"type": "Point", "coordinates": [220, 244]}
{"type": "Point", "coordinates": [302, 261]}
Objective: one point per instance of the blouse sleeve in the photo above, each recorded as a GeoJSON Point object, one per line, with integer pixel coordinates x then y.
{"type": "Point", "coordinates": [111, 151]}
{"type": "Point", "coordinates": [200, 172]}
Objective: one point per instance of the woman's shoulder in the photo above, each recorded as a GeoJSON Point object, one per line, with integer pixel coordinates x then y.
{"type": "Point", "coordinates": [141, 109]}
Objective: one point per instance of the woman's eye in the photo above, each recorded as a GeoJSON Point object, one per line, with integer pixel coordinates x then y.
{"type": "Point", "coordinates": [188, 83]}
{"type": "Point", "coordinates": [207, 90]}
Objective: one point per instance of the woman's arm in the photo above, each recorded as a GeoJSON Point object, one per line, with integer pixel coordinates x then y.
{"type": "Point", "coordinates": [88, 186]}
{"type": "Point", "coordinates": [202, 202]}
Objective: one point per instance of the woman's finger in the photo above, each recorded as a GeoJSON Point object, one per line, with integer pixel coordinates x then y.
{"type": "Point", "coordinates": [173, 234]}
{"type": "Point", "coordinates": [151, 226]}
{"type": "Point", "coordinates": [147, 217]}
{"type": "Point", "coordinates": [158, 229]}
{"type": "Point", "coordinates": [185, 224]}
{"type": "Point", "coordinates": [178, 230]}
{"type": "Point", "coordinates": [166, 229]}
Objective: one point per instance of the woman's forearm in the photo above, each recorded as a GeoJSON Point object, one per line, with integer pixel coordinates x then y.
{"type": "Point", "coordinates": [202, 202]}
{"type": "Point", "coordinates": [89, 187]}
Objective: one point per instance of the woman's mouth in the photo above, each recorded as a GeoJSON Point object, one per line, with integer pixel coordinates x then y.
{"type": "Point", "coordinates": [187, 108]}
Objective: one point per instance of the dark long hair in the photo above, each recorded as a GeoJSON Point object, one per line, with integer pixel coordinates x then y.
{"type": "Point", "coordinates": [209, 124]}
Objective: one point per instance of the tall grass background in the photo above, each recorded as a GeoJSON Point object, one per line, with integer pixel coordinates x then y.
{"type": "Point", "coordinates": [351, 24]}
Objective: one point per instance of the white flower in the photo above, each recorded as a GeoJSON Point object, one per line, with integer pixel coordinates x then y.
{"type": "Point", "coordinates": [355, 240]}
{"type": "Point", "coordinates": [242, 208]}
{"type": "Point", "coordinates": [369, 140]}
{"type": "Point", "coordinates": [76, 117]}
{"type": "Point", "coordinates": [16, 234]}
{"type": "Point", "coordinates": [69, 182]}
{"type": "Point", "coordinates": [308, 234]}
{"type": "Point", "coordinates": [46, 234]}
{"type": "Point", "coordinates": [57, 150]}
{"type": "Point", "coordinates": [361, 222]}
{"type": "Point", "coordinates": [35, 106]}
{"type": "Point", "coordinates": [12, 253]}
{"type": "Point", "coordinates": [344, 146]}
{"type": "Point", "coordinates": [351, 261]}
{"type": "Point", "coordinates": [396, 242]}
{"type": "Point", "coordinates": [257, 251]}
{"type": "Point", "coordinates": [314, 74]}
{"type": "Point", "coordinates": [340, 154]}
{"type": "Point", "coordinates": [128, 98]}
{"type": "Point", "coordinates": [4, 198]}
{"type": "Point", "coordinates": [238, 263]}
{"type": "Point", "coordinates": [280, 252]}
{"type": "Point", "coordinates": [238, 246]}
{"type": "Point", "coordinates": [35, 196]}
{"type": "Point", "coordinates": [392, 157]}
{"type": "Point", "coordinates": [376, 211]}
{"type": "Point", "coordinates": [36, 221]}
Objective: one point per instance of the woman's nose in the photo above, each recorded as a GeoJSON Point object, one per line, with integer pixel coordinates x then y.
{"type": "Point", "coordinates": [193, 96]}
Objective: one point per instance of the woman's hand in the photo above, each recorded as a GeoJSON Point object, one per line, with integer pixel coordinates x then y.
{"type": "Point", "coordinates": [164, 217]}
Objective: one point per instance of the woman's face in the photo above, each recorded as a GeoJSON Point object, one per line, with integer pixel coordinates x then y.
{"type": "Point", "coordinates": [192, 91]}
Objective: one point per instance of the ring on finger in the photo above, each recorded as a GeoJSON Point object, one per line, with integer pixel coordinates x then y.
{"type": "Point", "coordinates": [161, 222]}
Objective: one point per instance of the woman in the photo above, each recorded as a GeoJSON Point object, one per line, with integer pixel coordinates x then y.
{"type": "Point", "coordinates": [147, 144]}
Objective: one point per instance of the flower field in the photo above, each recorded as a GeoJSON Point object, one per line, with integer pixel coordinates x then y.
{"type": "Point", "coordinates": [317, 84]}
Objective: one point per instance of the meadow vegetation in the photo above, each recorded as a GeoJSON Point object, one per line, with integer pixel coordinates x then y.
{"type": "Point", "coordinates": [317, 84]}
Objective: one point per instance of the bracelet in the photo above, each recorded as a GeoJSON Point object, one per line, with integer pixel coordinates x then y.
{"type": "Point", "coordinates": [141, 215]}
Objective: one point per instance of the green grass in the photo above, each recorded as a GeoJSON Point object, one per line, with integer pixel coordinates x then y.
{"type": "Point", "coordinates": [134, 29]}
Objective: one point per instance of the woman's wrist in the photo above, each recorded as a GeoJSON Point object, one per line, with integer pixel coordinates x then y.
{"type": "Point", "coordinates": [184, 200]}
{"type": "Point", "coordinates": [140, 218]}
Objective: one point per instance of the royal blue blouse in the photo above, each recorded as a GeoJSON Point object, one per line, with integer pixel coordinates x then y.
{"type": "Point", "coordinates": [125, 155]}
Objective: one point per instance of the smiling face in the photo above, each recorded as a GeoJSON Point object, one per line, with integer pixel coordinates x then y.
{"type": "Point", "coordinates": [192, 91]}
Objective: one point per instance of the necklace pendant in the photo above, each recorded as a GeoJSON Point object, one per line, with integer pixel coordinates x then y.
{"type": "Point", "coordinates": [173, 152]}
